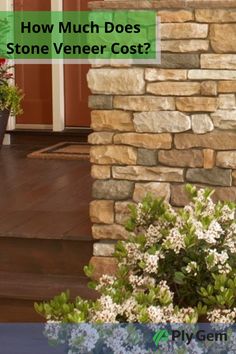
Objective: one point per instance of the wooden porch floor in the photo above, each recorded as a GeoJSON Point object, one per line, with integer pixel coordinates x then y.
{"type": "Point", "coordinates": [43, 198]}
{"type": "Point", "coordinates": [45, 232]}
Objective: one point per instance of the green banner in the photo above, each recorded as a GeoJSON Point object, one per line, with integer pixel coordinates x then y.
{"type": "Point", "coordinates": [78, 35]}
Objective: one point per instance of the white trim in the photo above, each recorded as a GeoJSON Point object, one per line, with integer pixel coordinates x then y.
{"type": "Point", "coordinates": [7, 139]}
{"type": "Point", "coordinates": [34, 126]}
{"type": "Point", "coordinates": [58, 87]}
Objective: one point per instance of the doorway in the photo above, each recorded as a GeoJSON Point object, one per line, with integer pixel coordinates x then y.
{"type": "Point", "coordinates": [56, 96]}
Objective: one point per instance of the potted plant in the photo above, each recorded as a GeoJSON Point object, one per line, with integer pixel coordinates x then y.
{"type": "Point", "coordinates": [10, 97]}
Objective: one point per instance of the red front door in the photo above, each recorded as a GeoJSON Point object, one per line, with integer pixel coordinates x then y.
{"type": "Point", "coordinates": [77, 113]}
{"type": "Point", "coordinates": [35, 80]}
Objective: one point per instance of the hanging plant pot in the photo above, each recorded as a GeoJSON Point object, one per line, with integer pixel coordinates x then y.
{"type": "Point", "coordinates": [4, 116]}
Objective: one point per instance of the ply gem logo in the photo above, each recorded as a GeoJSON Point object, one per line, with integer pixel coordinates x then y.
{"type": "Point", "coordinates": [161, 336]}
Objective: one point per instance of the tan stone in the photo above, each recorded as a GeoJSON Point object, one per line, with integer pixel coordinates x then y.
{"type": "Point", "coordinates": [156, 189]}
{"type": "Point", "coordinates": [122, 212]}
{"type": "Point", "coordinates": [215, 15]}
{"type": "Point", "coordinates": [100, 138]}
{"type": "Point", "coordinates": [102, 211]}
{"type": "Point", "coordinates": [181, 158]}
{"type": "Point", "coordinates": [209, 158]}
{"type": "Point", "coordinates": [103, 265]}
{"type": "Point", "coordinates": [227, 86]}
{"type": "Point", "coordinates": [111, 154]}
{"type": "Point", "coordinates": [218, 61]}
{"type": "Point", "coordinates": [217, 140]}
{"type": "Point", "coordinates": [144, 103]}
{"type": "Point", "coordinates": [185, 45]}
{"type": "Point", "coordinates": [175, 16]}
{"type": "Point", "coordinates": [203, 74]}
{"type": "Point", "coordinates": [112, 120]}
{"type": "Point", "coordinates": [224, 119]}
{"type": "Point", "coordinates": [174, 88]}
{"type": "Point", "coordinates": [226, 159]}
{"type": "Point", "coordinates": [208, 88]}
{"type": "Point", "coordinates": [143, 173]}
{"type": "Point", "coordinates": [109, 232]}
{"type": "Point", "coordinates": [183, 30]}
{"type": "Point", "coordinates": [158, 122]}
{"type": "Point", "coordinates": [149, 141]}
{"type": "Point", "coordinates": [196, 104]}
{"type": "Point", "coordinates": [103, 249]}
{"type": "Point", "coordinates": [153, 74]}
{"type": "Point", "coordinates": [226, 101]}
{"type": "Point", "coordinates": [180, 198]}
{"type": "Point", "coordinates": [223, 38]}
{"type": "Point", "coordinates": [201, 123]}
{"type": "Point", "coordinates": [100, 172]}
{"type": "Point", "coordinates": [116, 81]}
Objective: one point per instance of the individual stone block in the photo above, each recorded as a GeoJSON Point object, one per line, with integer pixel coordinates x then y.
{"type": "Point", "coordinates": [141, 173]}
{"type": "Point", "coordinates": [223, 119]}
{"type": "Point", "coordinates": [218, 61]}
{"type": "Point", "coordinates": [109, 232]}
{"type": "Point", "coordinates": [196, 104]}
{"type": "Point", "coordinates": [117, 190]}
{"type": "Point", "coordinates": [208, 88]}
{"type": "Point", "coordinates": [183, 30]}
{"type": "Point", "coordinates": [179, 196]}
{"type": "Point", "coordinates": [175, 16]}
{"type": "Point", "coordinates": [181, 158]}
{"type": "Point", "coordinates": [102, 211]}
{"type": "Point", "coordinates": [174, 88]}
{"type": "Point", "coordinates": [116, 81]}
{"type": "Point", "coordinates": [215, 140]}
{"type": "Point", "coordinates": [220, 42]}
{"type": "Point", "coordinates": [147, 157]}
{"type": "Point", "coordinates": [103, 249]}
{"type": "Point", "coordinates": [158, 122]}
{"type": "Point", "coordinates": [215, 15]}
{"type": "Point", "coordinates": [100, 102]}
{"type": "Point", "coordinates": [185, 45]}
{"type": "Point", "coordinates": [226, 101]}
{"type": "Point", "coordinates": [180, 61]}
{"type": "Point", "coordinates": [147, 141]}
{"type": "Point", "coordinates": [111, 154]}
{"type": "Point", "coordinates": [100, 138]}
{"type": "Point", "coordinates": [152, 74]}
{"type": "Point", "coordinates": [122, 212]}
{"type": "Point", "coordinates": [201, 123]}
{"type": "Point", "coordinates": [226, 159]}
{"type": "Point", "coordinates": [227, 86]}
{"type": "Point", "coordinates": [209, 158]}
{"type": "Point", "coordinates": [212, 74]}
{"type": "Point", "coordinates": [158, 190]}
{"type": "Point", "coordinates": [234, 178]}
{"type": "Point", "coordinates": [215, 176]}
{"type": "Point", "coordinates": [144, 103]}
{"type": "Point", "coordinates": [111, 120]}
{"type": "Point", "coordinates": [100, 172]}
{"type": "Point", "coordinates": [103, 265]}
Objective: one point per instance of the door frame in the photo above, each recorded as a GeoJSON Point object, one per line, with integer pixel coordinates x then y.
{"type": "Point", "coordinates": [58, 87]}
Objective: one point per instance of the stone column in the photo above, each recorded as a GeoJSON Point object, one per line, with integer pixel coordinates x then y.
{"type": "Point", "coordinates": [157, 128]}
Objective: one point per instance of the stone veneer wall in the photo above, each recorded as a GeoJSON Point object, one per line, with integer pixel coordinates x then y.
{"type": "Point", "coordinates": [156, 128]}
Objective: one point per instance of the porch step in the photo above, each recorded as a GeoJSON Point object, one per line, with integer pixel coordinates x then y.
{"type": "Point", "coordinates": [40, 287]}
{"type": "Point", "coordinates": [47, 137]}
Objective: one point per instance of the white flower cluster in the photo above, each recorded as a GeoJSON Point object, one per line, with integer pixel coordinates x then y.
{"type": "Point", "coordinates": [83, 339]}
{"type": "Point", "coordinates": [222, 316]}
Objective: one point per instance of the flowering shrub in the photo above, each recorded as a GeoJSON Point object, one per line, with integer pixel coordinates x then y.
{"type": "Point", "coordinates": [178, 266]}
{"type": "Point", "coordinates": [10, 95]}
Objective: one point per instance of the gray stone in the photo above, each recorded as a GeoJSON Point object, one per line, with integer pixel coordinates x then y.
{"type": "Point", "coordinates": [215, 176]}
{"type": "Point", "coordinates": [180, 61]}
{"type": "Point", "coordinates": [223, 119]}
{"type": "Point", "coordinates": [147, 157]}
{"type": "Point", "coordinates": [111, 189]}
{"type": "Point", "coordinates": [159, 122]}
{"type": "Point", "coordinates": [100, 102]}
{"type": "Point", "coordinates": [103, 249]}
